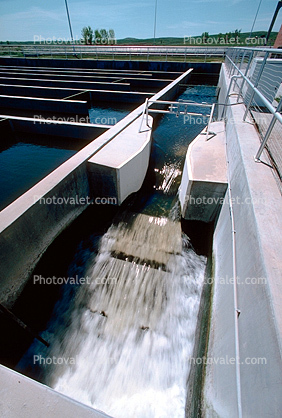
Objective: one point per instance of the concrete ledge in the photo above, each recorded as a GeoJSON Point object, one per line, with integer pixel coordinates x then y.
{"type": "Point", "coordinates": [77, 107]}
{"type": "Point", "coordinates": [72, 130]}
{"type": "Point", "coordinates": [107, 65]}
{"type": "Point", "coordinates": [65, 84]}
{"type": "Point", "coordinates": [62, 93]}
{"type": "Point", "coordinates": [204, 179]}
{"type": "Point", "coordinates": [120, 167]}
{"type": "Point", "coordinates": [26, 398]}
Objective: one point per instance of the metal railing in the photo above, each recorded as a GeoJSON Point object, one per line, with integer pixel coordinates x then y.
{"type": "Point", "coordinates": [256, 77]}
{"type": "Point", "coordinates": [112, 52]}
{"type": "Point", "coordinates": [177, 109]}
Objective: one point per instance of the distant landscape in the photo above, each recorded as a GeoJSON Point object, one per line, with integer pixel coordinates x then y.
{"type": "Point", "coordinates": [228, 39]}
{"type": "Point", "coordinates": [217, 40]}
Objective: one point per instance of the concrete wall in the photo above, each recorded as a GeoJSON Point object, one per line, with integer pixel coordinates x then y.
{"type": "Point", "coordinates": [75, 107]}
{"type": "Point", "coordinates": [120, 174]}
{"type": "Point", "coordinates": [71, 130]}
{"type": "Point", "coordinates": [207, 68]}
{"type": "Point", "coordinates": [84, 85]}
{"type": "Point", "coordinates": [204, 178]}
{"type": "Point", "coordinates": [25, 398]}
{"type": "Point", "coordinates": [61, 93]}
{"type": "Point", "coordinates": [258, 224]}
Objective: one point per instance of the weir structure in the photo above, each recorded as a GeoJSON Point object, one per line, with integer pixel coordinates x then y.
{"type": "Point", "coordinates": [239, 339]}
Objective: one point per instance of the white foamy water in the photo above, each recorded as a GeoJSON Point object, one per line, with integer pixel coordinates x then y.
{"type": "Point", "coordinates": [132, 337]}
{"type": "Point", "coordinates": [168, 174]}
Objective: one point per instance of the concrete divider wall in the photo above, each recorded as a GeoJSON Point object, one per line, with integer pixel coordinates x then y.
{"type": "Point", "coordinates": [23, 241]}
{"type": "Point", "coordinates": [76, 107]}
{"type": "Point", "coordinates": [258, 223]}
{"type": "Point", "coordinates": [83, 85]}
{"type": "Point", "coordinates": [33, 400]}
{"type": "Point", "coordinates": [198, 67]}
{"type": "Point", "coordinates": [61, 93]}
{"type": "Point", "coordinates": [71, 130]}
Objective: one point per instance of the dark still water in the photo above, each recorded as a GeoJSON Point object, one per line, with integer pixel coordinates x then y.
{"type": "Point", "coordinates": [23, 165]}
{"type": "Point", "coordinates": [27, 159]}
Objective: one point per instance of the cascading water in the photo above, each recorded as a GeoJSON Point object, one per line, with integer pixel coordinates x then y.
{"type": "Point", "coordinates": [132, 336]}
{"type": "Point", "coordinates": [126, 335]}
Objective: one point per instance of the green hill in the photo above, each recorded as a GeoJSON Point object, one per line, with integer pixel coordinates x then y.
{"type": "Point", "coordinates": [210, 40]}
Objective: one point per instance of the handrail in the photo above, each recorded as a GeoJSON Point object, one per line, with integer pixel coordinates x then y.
{"type": "Point", "coordinates": [259, 49]}
{"type": "Point", "coordinates": [131, 51]}
{"type": "Point", "coordinates": [261, 96]}
{"type": "Point", "coordinates": [178, 112]}
{"type": "Point", "coordinates": [255, 91]}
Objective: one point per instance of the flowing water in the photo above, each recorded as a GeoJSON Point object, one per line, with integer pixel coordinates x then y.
{"type": "Point", "coordinates": [124, 337]}
{"type": "Point", "coordinates": [132, 336]}
{"type": "Point", "coordinates": [108, 114]}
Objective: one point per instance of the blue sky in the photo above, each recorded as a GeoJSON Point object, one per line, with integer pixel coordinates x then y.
{"type": "Point", "coordinates": [23, 20]}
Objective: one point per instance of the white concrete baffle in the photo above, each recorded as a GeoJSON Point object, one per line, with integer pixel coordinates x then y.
{"type": "Point", "coordinates": [204, 179]}
{"type": "Point", "coordinates": [119, 168]}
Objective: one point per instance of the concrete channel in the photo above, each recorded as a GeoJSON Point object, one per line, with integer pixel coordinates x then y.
{"type": "Point", "coordinates": [246, 220]}
{"type": "Point", "coordinates": [70, 180]}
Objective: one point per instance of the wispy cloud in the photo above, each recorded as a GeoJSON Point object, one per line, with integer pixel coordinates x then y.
{"type": "Point", "coordinates": [34, 14]}
{"type": "Point", "coordinates": [185, 25]}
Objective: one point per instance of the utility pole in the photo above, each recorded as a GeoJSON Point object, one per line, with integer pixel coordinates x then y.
{"type": "Point", "coordinates": [155, 25]}
{"type": "Point", "coordinates": [70, 25]}
{"type": "Point", "coordinates": [279, 5]}
{"type": "Point", "coordinates": [255, 19]}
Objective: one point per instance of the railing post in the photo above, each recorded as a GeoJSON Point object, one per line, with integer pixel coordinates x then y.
{"type": "Point", "coordinates": [256, 84]}
{"type": "Point", "coordinates": [228, 92]}
{"type": "Point", "coordinates": [210, 119]}
{"type": "Point", "coordinates": [147, 112]}
{"type": "Point", "coordinates": [232, 60]}
{"type": "Point", "coordinates": [234, 66]}
{"type": "Point", "coordinates": [246, 72]}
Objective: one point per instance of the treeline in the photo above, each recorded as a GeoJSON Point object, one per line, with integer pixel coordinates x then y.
{"type": "Point", "coordinates": [225, 36]}
{"type": "Point", "coordinates": [98, 36]}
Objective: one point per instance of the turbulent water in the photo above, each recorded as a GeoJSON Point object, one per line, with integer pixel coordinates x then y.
{"type": "Point", "coordinates": [131, 337]}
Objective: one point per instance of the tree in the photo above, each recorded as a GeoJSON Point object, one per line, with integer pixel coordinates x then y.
{"type": "Point", "coordinates": [228, 35]}
{"type": "Point", "coordinates": [98, 35]}
{"type": "Point", "coordinates": [112, 35]}
{"type": "Point", "coordinates": [205, 36]}
{"type": "Point", "coordinates": [237, 33]}
{"type": "Point", "coordinates": [104, 35]}
{"type": "Point", "coordinates": [87, 35]}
